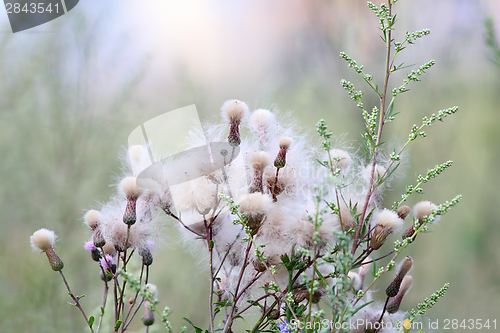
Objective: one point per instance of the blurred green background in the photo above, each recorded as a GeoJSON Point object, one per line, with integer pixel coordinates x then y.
{"type": "Point", "coordinates": [73, 89]}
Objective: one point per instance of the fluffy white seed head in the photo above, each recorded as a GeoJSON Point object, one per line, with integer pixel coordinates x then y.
{"type": "Point", "coordinates": [128, 187]}
{"type": "Point", "coordinates": [285, 142]}
{"type": "Point", "coordinates": [255, 203]}
{"type": "Point", "coordinates": [138, 157]}
{"type": "Point", "coordinates": [348, 221]}
{"type": "Point", "coordinates": [234, 111]}
{"type": "Point", "coordinates": [115, 231]}
{"type": "Point", "coordinates": [388, 220]}
{"type": "Point", "coordinates": [196, 195]}
{"type": "Point", "coordinates": [136, 153]}
{"type": "Point", "coordinates": [261, 119]}
{"type": "Point", "coordinates": [259, 160]}
{"type": "Point", "coordinates": [422, 209]}
{"type": "Point", "coordinates": [43, 240]}
{"type": "Point", "coordinates": [340, 159]}
{"type": "Point", "coordinates": [357, 282]}
{"type": "Point", "coordinates": [366, 174]}
{"type": "Point", "coordinates": [92, 218]}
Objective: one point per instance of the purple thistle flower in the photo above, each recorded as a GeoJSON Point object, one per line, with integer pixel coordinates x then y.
{"type": "Point", "coordinates": [89, 246]}
{"type": "Point", "coordinates": [104, 262]}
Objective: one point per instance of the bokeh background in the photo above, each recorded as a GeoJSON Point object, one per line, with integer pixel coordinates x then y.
{"type": "Point", "coordinates": [73, 89]}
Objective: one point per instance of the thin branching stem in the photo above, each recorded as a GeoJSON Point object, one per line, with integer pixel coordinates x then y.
{"type": "Point", "coordinates": [75, 299]}
{"type": "Point", "coordinates": [383, 96]}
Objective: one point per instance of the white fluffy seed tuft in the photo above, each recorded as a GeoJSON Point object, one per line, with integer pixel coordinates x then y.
{"type": "Point", "coordinates": [136, 153]}
{"type": "Point", "coordinates": [234, 110]}
{"type": "Point", "coordinates": [43, 240]}
{"type": "Point", "coordinates": [422, 209]}
{"type": "Point", "coordinates": [285, 142]}
{"type": "Point", "coordinates": [261, 119]}
{"type": "Point", "coordinates": [340, 159]}
{"type": "Point", "coordinates": [128, 187]}
{"type": "Point", "coordinates": [379, 172]}
{"type": "Point", "coordinates": [92, 218]}
{"type": "Point", "coordinates": [388, 220]}
{"type": "Point", "coordinates": [259, 160]}
{"type": "Point", "coordinates": [256, 203]}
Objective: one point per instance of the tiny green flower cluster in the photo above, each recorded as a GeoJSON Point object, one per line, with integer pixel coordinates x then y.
{"type": "Point", "coordinates": [428, 303]}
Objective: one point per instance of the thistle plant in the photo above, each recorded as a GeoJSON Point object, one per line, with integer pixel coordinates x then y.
{"type": "Point", "coordinates": [290, 234]}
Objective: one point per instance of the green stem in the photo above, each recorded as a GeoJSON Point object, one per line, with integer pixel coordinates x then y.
{"type": "Point", "coordinates": [77, 302]}
{"type": "Point", "coordinates": [388, 39]}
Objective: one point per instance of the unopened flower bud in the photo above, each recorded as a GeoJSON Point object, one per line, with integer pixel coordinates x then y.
{"type": "Point", "coordinates": [409, 232]}
{"type": "Point", "coordinates": [147, 257]}
{"type": "Point", "coordinates": [393, 288]}
{"type": "Point", "coordinates": [96, 255]}
{"type": "Point", "coordinates": [395, 302]}
{"type": "Point", "coordinates": [258, 265]}
{"type": "Point", "coordinates": [403, 212]}
{"type": "Point", "coordinates": [274, 314]}
{"type": "Point", "coordinates": [148, 318]}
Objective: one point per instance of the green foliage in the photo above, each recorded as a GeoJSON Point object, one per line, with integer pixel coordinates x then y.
{"type": "Point", "coordinates": [428, 303]}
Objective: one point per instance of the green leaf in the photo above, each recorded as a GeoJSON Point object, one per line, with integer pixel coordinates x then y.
{"type": "Point", "coordinates": [388, 175]}
{"type": "Point", "coordinates": [91, 320]}
{"type": "Point", "coordinates": [196, 328]}
{"type": "Point", "coordinates": [118, 324]}
{"type": "Point", "coordinates": [102, 310]}
{"type": "Point", "coordinates": [80, 297]}
{"type": "Point", "coordinates": [362, 306]}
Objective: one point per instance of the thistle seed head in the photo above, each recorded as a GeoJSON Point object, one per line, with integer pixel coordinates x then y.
{"type": "Point", "coordinates": [92, 219]}
{"type": "Point", "coordinates": [234, 111]}
{"type": "Point", "coordinates": [43, 240]}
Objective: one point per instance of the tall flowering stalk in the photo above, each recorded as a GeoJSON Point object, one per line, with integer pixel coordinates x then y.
{"type": "Point", "coordinates": [283, 226]}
